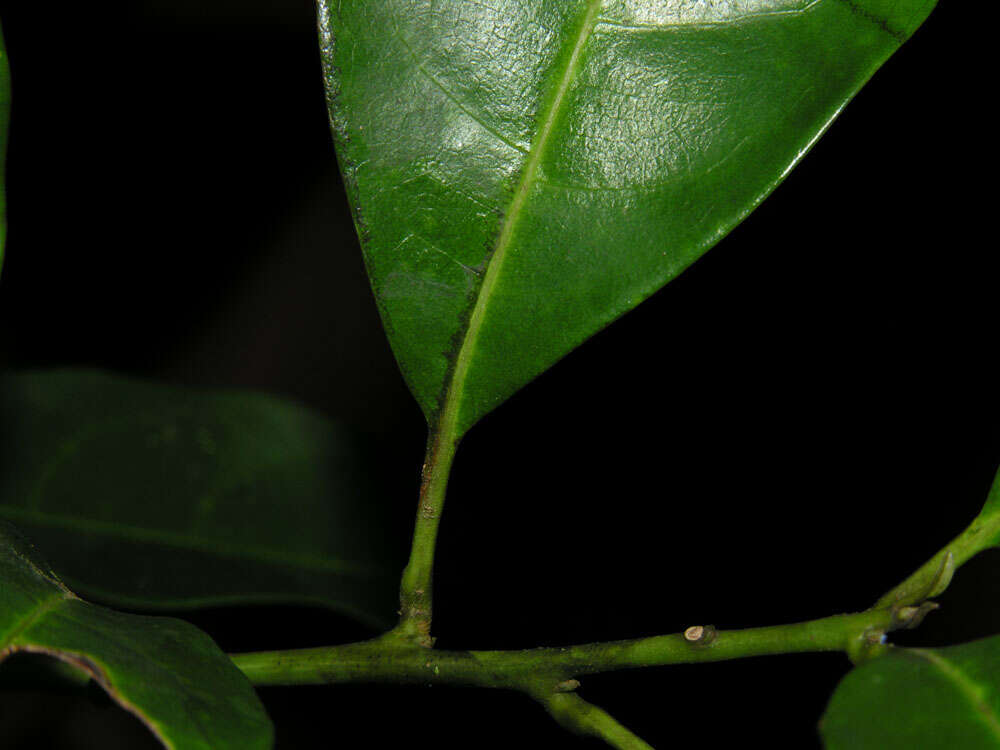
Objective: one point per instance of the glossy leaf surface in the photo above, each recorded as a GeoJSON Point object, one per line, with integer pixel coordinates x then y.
{"type": "Point", "coordinates": [524, 172]}
{"type": "Point", "coordinates": [156, 496]}
{"type": "Point", "coordinates": [165, 671]}
{"type": "Point", "coordinates": [920, 699]}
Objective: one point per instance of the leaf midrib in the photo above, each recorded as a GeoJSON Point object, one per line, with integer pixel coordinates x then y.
{"type": "Point", "coordinates": [455, 385]}
{"type": "Point", "coordinates": [138, 534]}
{"type": "Point", "coordinates": [37, 612]}
{"type": "Point", "coordinates": [965, 686]}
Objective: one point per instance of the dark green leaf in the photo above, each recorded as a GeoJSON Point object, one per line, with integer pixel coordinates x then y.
{"type": "Point", "coordinates": [165, 671]}
{"type": "Point", "coordinates": [155, 496]}
{"type": "Point", "coordinates": [920, 699]}
{"type": "Point", "coordinates": [523, 173]}
{"type": "Point", "coordinates": [4, 113]}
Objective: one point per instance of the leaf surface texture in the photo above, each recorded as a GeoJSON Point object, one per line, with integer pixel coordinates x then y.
{"type": "Point", "coordinates": [158, 496]}
{"type": "Point", "coordinates": [167, 672]}
{"type": "Point", "coordinates": [523, 172]}
{"type": "Point", "coordinates": [916, 699]}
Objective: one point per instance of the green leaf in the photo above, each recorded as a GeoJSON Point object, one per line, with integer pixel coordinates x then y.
{"type": "Point", "coordinates": [919, 699]}
{"type": "Point", "coordinates": [4, 115]}
{"type": "Point", "coordinates": [165, 671]}
{"type": "Point", "coordinates": [523, 173]}
{"type": "Point", "coordinates": [156, 496]}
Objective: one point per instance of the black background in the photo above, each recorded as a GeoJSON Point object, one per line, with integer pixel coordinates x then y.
{"type": "Point", "coordinates": [783, 433]}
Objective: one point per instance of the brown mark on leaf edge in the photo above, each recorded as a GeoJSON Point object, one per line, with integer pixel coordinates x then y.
{"type": "Point", "coordinates": [98, 675]}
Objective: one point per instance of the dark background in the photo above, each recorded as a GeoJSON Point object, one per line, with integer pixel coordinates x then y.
{"type": "Point", "coordinates": [783, 433]}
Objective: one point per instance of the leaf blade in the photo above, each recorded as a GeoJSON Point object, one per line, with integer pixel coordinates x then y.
{"type": "Point", "coordinates": [168, 497]}
{"type": "Point", "coordinates": [168, 673]}
{"type": "Point", "coordinates": [919, 698]}
{"type": "Point", "coordinates": [506, 216]}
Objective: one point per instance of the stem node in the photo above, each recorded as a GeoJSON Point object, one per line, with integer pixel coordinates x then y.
{"type": "Point", "coordinates": [870, 644]}
{"type": "Point", "coordinates": [567, 686]}
{"type": "Point", "coordinates": [909, 617]}
{"type": "Point", "coordinates": [700, 635]}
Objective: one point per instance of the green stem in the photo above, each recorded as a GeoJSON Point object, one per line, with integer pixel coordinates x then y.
{"type": "Point", "coordinates": [446, 429]}
{"type": "Point", "coordinates": [575, 714]}
{"type": "Point", "coordinates": [415, 590]}
{"type": "Point", "coordinates": [378, 661]}
{"type": "Point", "coordinates": [548, 674]}
{"type": "Point", "coordinates": [933, 577]}
{"type": "Point", "coordinates": [403, 656]}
